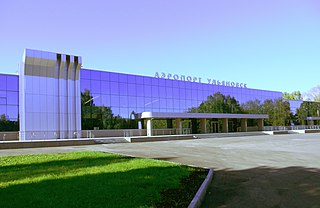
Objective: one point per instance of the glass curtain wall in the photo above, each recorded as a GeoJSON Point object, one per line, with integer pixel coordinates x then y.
{"type": "Point", "coordinates": [9, 102]}
{"type": "Point", "coordinates": [115, 95]}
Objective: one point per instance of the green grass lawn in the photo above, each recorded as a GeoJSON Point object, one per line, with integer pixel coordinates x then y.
{"type": "Point", "coordinates": [85, 179]}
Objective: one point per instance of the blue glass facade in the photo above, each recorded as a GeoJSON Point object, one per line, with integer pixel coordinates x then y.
{"type": "Point", "coordinates": [294, 105]}
{"type": "Point", "coordinates": [125, 93]}
{"type": "Point", "coordinates": [9, 96]}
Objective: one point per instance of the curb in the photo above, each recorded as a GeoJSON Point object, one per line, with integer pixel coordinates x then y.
{"type": "Point", "coordinates": [45, 143]}
{"type": "Point", "coordinates": [198, 198]}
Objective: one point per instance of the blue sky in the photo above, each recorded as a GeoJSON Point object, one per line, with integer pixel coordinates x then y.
{"type": "Point", "coordinates": [268, 44]}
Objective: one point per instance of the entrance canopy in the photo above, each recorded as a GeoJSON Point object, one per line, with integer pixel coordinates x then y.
{"type": "Point", "coordinates": [155, 115]}
{"type": "Point", "coordinates": [149, 116]}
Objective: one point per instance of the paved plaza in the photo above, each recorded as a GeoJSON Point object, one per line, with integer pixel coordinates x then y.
{"type": "Point", "coordinates": [232, 153]}
{"type": "Point", "coordinates": [252, 171]}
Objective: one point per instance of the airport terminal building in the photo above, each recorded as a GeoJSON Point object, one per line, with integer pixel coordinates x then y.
{"type": "Point", "coordinates": [52, 93]}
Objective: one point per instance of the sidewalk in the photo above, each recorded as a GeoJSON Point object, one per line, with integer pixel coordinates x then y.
{"type": "Point", "coordinates": [250, 171]}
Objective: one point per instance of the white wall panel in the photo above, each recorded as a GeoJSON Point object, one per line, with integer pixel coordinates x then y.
{"type": "Point", "coordinates": [50, 101]}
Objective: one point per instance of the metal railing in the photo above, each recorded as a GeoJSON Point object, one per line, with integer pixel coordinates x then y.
{"type": "Point", "coordinates": [113, 133]}
{"type": "Point", "coordinates": [43, 135]}
{"type": "Point", "coordinates": [156, 132]}
{"type": "Point", "coordinates": [287, 128]}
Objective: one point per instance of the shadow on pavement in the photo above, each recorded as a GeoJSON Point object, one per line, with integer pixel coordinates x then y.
{"type": "Point", "coordinates": [265, 187]}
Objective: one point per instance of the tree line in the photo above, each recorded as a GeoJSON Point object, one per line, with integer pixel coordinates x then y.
{"type": "Point", "coordinates": [7, 125]}
{"type": "Point", "coordinates": [101, 117]}
{"type": "Point", "coordinates": [278, 109]}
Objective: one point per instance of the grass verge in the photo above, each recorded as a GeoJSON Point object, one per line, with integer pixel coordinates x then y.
{"type": "Point", "coordinates": [93, 179]}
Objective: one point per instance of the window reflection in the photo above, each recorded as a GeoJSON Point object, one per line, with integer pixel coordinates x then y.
{"type": "Point", "coordinates": [3, 101]}
{"type": "Point", "coordinates": [140, 90]}
{"type": "Point", "coordinates": [147, 91]}
{"type": "Point", "coordinates": [162, 92]}
{"type": "Point", "coordinates": [123, 78]}
{"type": "Point", "coordinates": [124, 101]}
{"type": "Point", "coordinates": [163, 103]}
{"type": "Point", "coordinates": [155, 103]}
{"type": "Point", "coordinates": [132, 90]}
{"type": "Point", "coordinates": [123, 87]}
{"type": "Point", "coordinates": [12, 112]}
{"type": "Point", "coordinates": [95, 75]}
{"type": "Point", "coordinates": [139, 80]}
{"type": "Point", "coordinates": [3, 81]}
{"type": "Point", "coordinates": [105, 87]}
{"type": "Point", "coordinates": [95, 86]}
{"type": "Point", "coordinates": [155, 81]}
{"type": "Point", "coordinates": [169, 103]}
{"type": "Point", "coordinates": [96, 99]}
{"type": "Point", "coordinates": [131, 79]}
{"type": "Point", "coordinates": [155, 91]}
{"type": "Point", "coordinates": [105, 100]}
{"type": "Point", "coordinates": [120, 94]}
{"type": "Point", "coordinates": [3, 110]}
{"type": "Point", "coordinates": [147, 81]}
{"type": "Point", "coordinates": [85, 74]}
{"type": "Point", "coordinates": [169, 92]}
{"type": "Point", "coordinates": [85, 84]}
{"type": "Point", "coordinates": [140, 103]}
{"type": "Point", "coordinates": [115, 101]}
{"type": "Point", "coordinates": [132, 102]}
{"type": "Point", "coordinates": [105, 76]}
{"type": "Point", "coordinates": [114, 77]}
{"type": "Point", "coordinates": [12, 98]}
{"type": "Point", "coordinates": [13, 83]}
{"type": "Point", "coordinates": [114, 88]}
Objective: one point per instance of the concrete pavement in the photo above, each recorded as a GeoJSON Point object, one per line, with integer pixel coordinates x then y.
{"type": "Point", "coordinates": [234, 153]}
{"type": "Point", "coordinates": [250, 171]}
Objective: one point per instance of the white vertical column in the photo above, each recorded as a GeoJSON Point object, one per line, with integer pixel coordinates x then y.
{"type": "Point", "coordinates": [244, 125]}
{"type": "Point", "coordinates": [71, 98]}
{"type": "Point", "coordinates": [52, 98]}
{"type": "Point", "coordinates": [224, 125]}
{"type": "Point", "coordinates": [179, 126]}
{"type": "Point", "coordinates": [203, 125]}
{"type": "Point", "coordinates": [62, 97]}
{"type": "Point", "coordinates": [149, 127]}
{"type": "Point", "coordinates": [23, 67]}
{"type": "Point", "coordinates": [77, 97]}
{"type": "Point", "coordinates": [260, 124]}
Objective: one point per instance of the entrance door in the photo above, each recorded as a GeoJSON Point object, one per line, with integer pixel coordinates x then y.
{"type": "Point", "coordinates": [214, 127]}
{"type": "Point", "coordinates": [230, 126]}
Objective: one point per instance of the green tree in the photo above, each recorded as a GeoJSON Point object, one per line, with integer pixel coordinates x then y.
{"type": "Point", "coordinates": [101, 116]}
{"type": "Point", "coordinates": [86, 98]}
{"type": "Point", "coordinates": [7, 125]}
{"type": "Point", "coordinates": [308, 109]}
{"type": "Point", "coordinates": [218, 103]}
{"type": "Point", "coordinates": [278, 111]}
{"type": "Point", "coordinates": [281, 114]}
{"type": "Point", "coordinates": [252, 107]}
{"type": "Point", "coordinates": [296, 95]}
{"type": "Point", "coordinates": [268, 108]}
